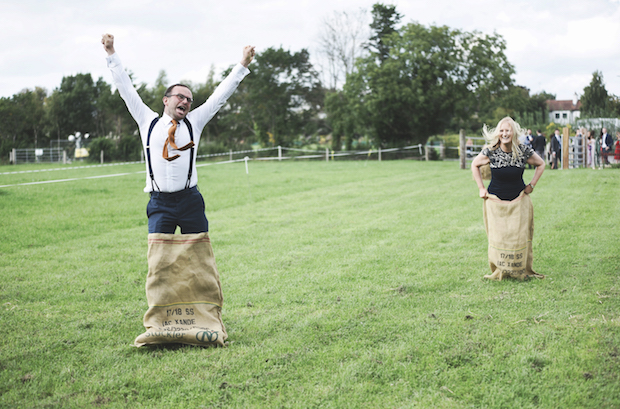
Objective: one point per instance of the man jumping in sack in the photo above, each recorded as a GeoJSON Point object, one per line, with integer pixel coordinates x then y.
{"type": "Point", "coordinates": [183, 287]}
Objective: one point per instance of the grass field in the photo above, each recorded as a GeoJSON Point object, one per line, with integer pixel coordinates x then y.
{"type": "Point", "coordinates": [346, 285]}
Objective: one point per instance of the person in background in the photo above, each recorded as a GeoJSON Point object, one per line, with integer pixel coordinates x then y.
{"type": "Point", "coordinates": [528, 140]}
{"type": "Point", "coordinates": [586, 146]}
{"type": "Point", "coordinates": [469, 145]}
{"type": "Point", "coordinates": [617, 150]}
{"type": "Point", "coordinates": [597, 151]}
{"type": "Point", "coordinates": [606, 144]}
{"type": "Point", "coordinates": [539, 143]}
{"type": "Point", "coordinates": [590, 142]}
{"type": "Point", "coordinates": [522, 139]}
{"type": "Point", "coordinates": [556, 149]}
{"type": "Point", "coordinates": [577, 149]}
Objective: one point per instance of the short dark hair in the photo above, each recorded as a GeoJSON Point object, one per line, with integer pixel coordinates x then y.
{"type": "Point", "coordinates": [538, 130]}
{"type": "Point", "coordinates": [170, 88]}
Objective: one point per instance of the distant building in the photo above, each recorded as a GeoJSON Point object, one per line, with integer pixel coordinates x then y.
{"type": "Point", "coordinates": [564, 112]}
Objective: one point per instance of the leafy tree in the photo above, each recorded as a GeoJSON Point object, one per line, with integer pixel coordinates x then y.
{"type": "Point", "coordinates": [595, 97]}
{"type": "Point", "coordinates": [536, 114]}
{"type": "Point", "coordinates": [529, 111]}
{"type": "Point", "coordinates": [384, 21]}
{"type": "Point", "coordinates": [614, 106]}
{"type": "Point", "coordinates": [543, 96]}
{"type": "Point", "coordinates": [108, 108]}
{"type": "Point", "coordinates": [10, 120]}
{"type": "Point", "coordinates": [512, 102]}
{"type": "Point", "coordinates": [23, 120]}
{"type": "Point", "coordinates": [430, 78]}
{"type": "Point", "coordinates": [72, 106]}
{"type": "Point", "coordinates": [31, 108]}
{"type": "Point", "coordinates": [277, 104]}
{"type": "Point", "coordinates": [341, 117]}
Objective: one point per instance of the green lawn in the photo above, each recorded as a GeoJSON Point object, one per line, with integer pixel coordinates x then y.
{"type": "Point", "coordinates": [346, 284]}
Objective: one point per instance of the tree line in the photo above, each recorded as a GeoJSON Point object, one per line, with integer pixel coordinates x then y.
{"type": "Point", "coordinates": [387, 83]}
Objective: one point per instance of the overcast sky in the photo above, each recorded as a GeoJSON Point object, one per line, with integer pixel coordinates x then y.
{"type": "Point", "coordinates": [555, 45]}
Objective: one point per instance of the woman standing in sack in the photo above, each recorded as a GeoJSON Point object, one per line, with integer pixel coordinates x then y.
{"type": "Point", "coordinates": [508, 211]}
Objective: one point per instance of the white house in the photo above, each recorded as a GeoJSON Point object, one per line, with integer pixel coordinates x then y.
{"type": "Point", "coordinates": [564, 112]}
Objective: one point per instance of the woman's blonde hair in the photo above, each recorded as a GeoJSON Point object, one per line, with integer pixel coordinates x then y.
{"type": "Point", "coordinates": [491, 135]}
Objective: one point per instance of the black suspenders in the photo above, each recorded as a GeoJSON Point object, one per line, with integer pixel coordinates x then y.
{"type": "Point", "coordinates": [191, 153]}
{"type": "Point", "coordinates": [148, 153]}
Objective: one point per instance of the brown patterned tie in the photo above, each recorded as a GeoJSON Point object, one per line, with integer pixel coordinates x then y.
{"type": "Point", "coordinates": [170, 141]}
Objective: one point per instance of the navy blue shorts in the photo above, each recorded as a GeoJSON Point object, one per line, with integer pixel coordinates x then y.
{"type": "Point", "coordinates": [185, 209]}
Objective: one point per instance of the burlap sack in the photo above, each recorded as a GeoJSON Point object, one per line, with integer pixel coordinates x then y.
{"type": "Point", "coordinates": [510, 228]}
{"type": "Point", "coordinates": [183, 291]}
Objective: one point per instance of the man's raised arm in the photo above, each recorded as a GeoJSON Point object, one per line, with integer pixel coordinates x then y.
{"type": "Point", "coordinates": [203, 114]}
{"type": "Point", "coordinates": [140, 112]}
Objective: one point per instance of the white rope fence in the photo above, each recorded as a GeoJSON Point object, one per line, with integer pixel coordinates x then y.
{"type": "Point", "coordinates": [311, 153]}
{"type": "Point", "coordinates": [326, 154]}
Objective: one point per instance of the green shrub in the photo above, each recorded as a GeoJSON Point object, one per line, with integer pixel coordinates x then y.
{"type": "Point", "coordinates": [128, 148]}
{"type": "Point", "coordinates": [101, 144]}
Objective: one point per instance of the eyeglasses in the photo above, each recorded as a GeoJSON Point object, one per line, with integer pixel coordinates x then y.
{"type": "Point", "coordinates": [181, 97]}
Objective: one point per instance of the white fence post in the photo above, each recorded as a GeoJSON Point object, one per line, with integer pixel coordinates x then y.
{"type": "Point", "coordinates": [279, 152]}
{"type": "Point", "coordinates": [379, 154]}
{"type": "Point", "coordinates": [230, 155]}
{"type": "Point", "coordinates": [64, 157]}
{"type": "Point", "coordinates": [326, 155]}
{"type": "Point", "coordinates": [102, 157]}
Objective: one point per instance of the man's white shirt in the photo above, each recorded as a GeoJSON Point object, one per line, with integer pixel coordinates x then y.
{"type": "Point", "coordinates": [171, 176]}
